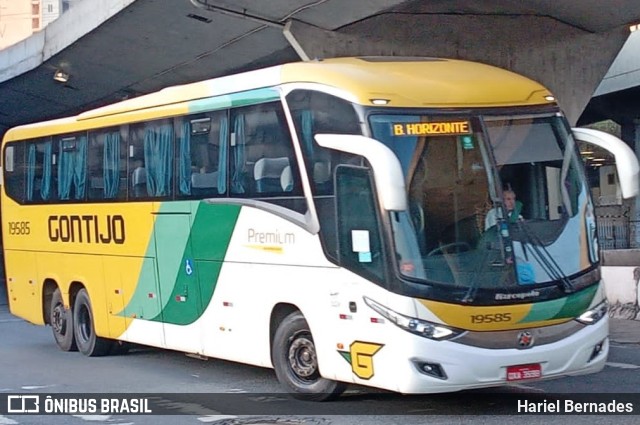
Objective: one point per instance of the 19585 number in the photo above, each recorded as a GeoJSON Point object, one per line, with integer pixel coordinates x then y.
{"type": "Point", "coordinates": [19, 228]}
{"type": "Point", "coordinates": [491, 318]}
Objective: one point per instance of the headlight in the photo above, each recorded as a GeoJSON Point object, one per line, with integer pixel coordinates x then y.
{"type": "Point", "coordinates": [411, 324]}
{"type": "Point", "coordinates": [592, 316]}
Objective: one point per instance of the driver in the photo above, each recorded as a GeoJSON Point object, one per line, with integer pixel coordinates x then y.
{"type": "Point", "coordinates": [512, 206]}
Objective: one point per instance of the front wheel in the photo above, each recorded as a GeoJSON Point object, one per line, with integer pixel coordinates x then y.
{"type": "Point", "coordinates": [88, 342]}
{"type": "Point", "coordinates": [61, 321]}
{"type": "Point", "coordinates": [295, 362]}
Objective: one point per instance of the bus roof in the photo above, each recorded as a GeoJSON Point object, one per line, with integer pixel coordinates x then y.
{"type": "Point", "coordinates": [421, 82]}
{"type": "Point", "coordinates": [403, 82]}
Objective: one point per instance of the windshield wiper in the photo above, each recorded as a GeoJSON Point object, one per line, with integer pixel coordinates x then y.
{"type": "Point", "coordinates": [544, 258]}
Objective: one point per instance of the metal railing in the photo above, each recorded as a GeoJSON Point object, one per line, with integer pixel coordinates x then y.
{"type": "Point", "coordinates": [614, 232]}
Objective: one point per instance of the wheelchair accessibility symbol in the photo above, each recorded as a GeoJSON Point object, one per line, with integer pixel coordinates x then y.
{"type": "Point", "coordinates": [188, 268]}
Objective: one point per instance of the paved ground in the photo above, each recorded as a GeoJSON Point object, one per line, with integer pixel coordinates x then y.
{"type": "Point", "coordinates": [625, 331]}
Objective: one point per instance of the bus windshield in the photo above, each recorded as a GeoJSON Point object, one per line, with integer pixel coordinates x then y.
{"type": "Point", "coordinates": [497, 204]}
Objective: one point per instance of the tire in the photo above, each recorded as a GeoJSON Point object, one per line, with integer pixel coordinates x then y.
{"type": "Point", "coordinates": [295, 362]}
{"type": "Point", "coordinates": [61, 321]}
{"type": "Point", "coordinates": [88, 342]}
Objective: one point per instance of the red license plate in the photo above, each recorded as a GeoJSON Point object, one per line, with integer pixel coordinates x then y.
{"type": "Point", "coordinates": [524, 371]}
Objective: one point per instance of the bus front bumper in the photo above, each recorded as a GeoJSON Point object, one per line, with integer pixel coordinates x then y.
{"type": "Point", "coordinates": [445, 366]}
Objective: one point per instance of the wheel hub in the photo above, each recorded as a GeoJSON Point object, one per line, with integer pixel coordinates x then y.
{"type": "Point", "coordinates": [302, 357]}
{"type": "Point", "coordinates": [58, 320]}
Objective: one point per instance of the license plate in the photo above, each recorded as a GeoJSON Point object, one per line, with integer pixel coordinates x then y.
{"type": "Point", "coordinates": [522, 372]}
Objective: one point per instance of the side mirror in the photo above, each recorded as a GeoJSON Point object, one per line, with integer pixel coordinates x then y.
{"type": "Point", "coordinates": [626, 161]}
{"type": "Point", "coordinates": [387, 170]}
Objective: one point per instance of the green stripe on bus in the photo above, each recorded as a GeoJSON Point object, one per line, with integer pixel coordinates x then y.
{"type": "Point", "coordinates": [563, 308]}
{"type": "Point", "coordinates": [543, 310]}
{"type": "Point", "coordinates": [577, 303]}
{"type": "Point", "coordinates": [200, 263]}
{"type": "Point", "coordinates": [183, 261]}
{"type": "Point", "coordinates": [251, 97]}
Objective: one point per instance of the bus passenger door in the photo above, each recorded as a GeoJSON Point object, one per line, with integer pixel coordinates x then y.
{"type": "Point", "coordinates": [178, 277]}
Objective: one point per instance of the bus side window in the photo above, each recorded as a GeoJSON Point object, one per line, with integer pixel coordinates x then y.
{"type": "Point", "coordinates": [151, 159]}
{"type": "Point", "coordinates": [200, 162]}
{"type": "Point", "coordinates": [40, 170]}
{"type": "Point", "coordinates": [105, 165]}
{"type": "Point", "coordinates": [316, 112]}
{"type": "Point", "coordinates": [70, 151]}
{"type": "Point", "coordinates": [15, 171]}
{"type": "Point", "coordinates": [359, 243]}
{"type": "Point", "coordinates": [262, 160]}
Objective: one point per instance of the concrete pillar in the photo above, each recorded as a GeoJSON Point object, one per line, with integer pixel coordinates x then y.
{"type": "Point", "coordinates": [570, 61]}
{"type": "Point", "coordinates": [631, 135]}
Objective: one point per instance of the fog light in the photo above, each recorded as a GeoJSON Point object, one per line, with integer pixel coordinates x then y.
{"type": "Point", "coordinates": [597, 349]}
{"type": "Point", "coordinates": [431, 369]}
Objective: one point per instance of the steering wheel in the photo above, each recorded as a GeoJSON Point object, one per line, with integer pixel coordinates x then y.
{"type": "Point", "coordinates": [450, 247]}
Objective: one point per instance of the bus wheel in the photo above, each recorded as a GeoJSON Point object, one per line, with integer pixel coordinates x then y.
{"type": "Point", "coordinates": [88, 342]}
{"type": "Point", "coordinates": [296, 364]}
{"type": "Point", "coordinates": [61, 321]}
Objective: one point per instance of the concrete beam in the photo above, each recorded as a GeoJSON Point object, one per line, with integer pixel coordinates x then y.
{"type": "Point", "coordinates": [569, 61]}
{"type": "Point", "coordinates": [311, 42]}
{"type": "Point", "coordinates": [625, 70]}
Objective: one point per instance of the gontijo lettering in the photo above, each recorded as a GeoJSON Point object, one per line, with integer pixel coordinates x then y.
{"type": "Point", "coordinates": [431, 128]}
{"type": "Point", "coordinates": [86, 229]}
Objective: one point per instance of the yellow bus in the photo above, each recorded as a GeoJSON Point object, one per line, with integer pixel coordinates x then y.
{"type": "Point", "coordinates": [328, 219]}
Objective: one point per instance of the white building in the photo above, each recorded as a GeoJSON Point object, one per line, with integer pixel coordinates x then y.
{"type": "Point", "coordinates": [21, 18]}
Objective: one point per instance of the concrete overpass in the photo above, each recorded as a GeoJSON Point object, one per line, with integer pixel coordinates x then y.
{"type": "Point", "coordinates": [618, 95]}
{"type": "Point", "coordinates": [116, 49]}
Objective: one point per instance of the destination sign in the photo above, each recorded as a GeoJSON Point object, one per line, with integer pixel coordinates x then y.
{"type": "Point", "coordinates": [431, 128]}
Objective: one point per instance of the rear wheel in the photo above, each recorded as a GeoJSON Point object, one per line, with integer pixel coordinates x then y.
{"type": "Point", "coordinates": [88, 342]}
{"type": "Point", "coordinates": [61, 321]}
{"type": "Point", "coordinates": [296, 363]}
